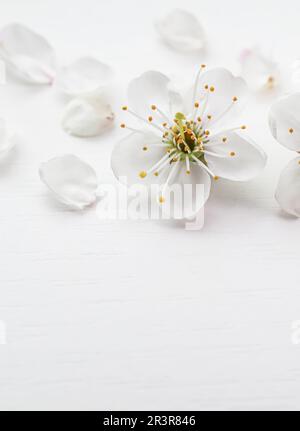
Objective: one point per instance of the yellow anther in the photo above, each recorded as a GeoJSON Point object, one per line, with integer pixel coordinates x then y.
{"type": "Point", "coordinates": [196, 105]}
{"type": "Point", "coordinates": [161, 200]}
{"type": "Point", "coordinates": [216, 178]}
{"type": "Point", "coordinates": [209, 117]}
{"type": "Point", "coordinates": [150, 119]}
{"type": "Point", "coordinates": [206, 87]}
{"type": "Point", "coordinates": [164, 124]}
{"type": "Point", "coordinates": [224, 140]}
{"type": "Point", "coordinates": [153, 107]}
{"type": "Point", "coordinates": [124, 108]}
{"type": "Point", "coordinates": [199, 119]}
{"type": "Point", "coordinates": [142, 174]}
{"type": "Point", "coordinates": [156, 174]}
{"type": "Point", "coordinates": [234, 99]}
{"type": "Point", "coordinates": [188, 172]}
{"type": "Point", "coordinates": [145, 148]}
{"type": "Point", "coordinates": [232, 153]}
{"type": "Point", "coordinates": [207, 132]}
{"type": "Point", "coordinates": [122, 126]}
{"type": "Point", "coordinates": [291, 130]}
{"type": "Point", "coordinates": [212, 89]}
{"type": "Point", "coordinates": [203, 66]}
{"type": "Point", "coordinates": [244, 127]}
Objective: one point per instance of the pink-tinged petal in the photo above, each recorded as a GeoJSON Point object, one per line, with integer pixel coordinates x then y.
{"type": "Point", "coordinates": [87, 116]}
{"type": "Point", "coordinates": [70, 180]}
{"type": "Point", "coordinates": [27, 54]}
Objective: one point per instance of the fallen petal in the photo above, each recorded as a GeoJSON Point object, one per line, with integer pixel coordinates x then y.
{"type": "Point", "coordinates": [85, 76]}
{"type": "Point", "coordinates": [288, 189]}
{"type": "Point", "coordinates": [181, 30]}
{"type": "Point", "coordinates": [72, 181]}
{"type": "Point", "coordinates": [87, 116]}
{"type": "Point", "coordinates": [27, 54]}
{"type": "Point", "coordinates": [7, 140]}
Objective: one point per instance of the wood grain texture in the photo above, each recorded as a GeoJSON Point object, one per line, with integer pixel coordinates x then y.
{"type": "Point", "coordinates": [144, 315]}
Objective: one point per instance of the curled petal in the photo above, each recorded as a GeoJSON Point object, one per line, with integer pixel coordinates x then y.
{"type": "Point", "coordinates": [85, 76]}
{"type": "Point", "coordinates": [72, 181]}
{"type": "Point", "coordinates": [153, 88]}
{"type": "Point", "coordinates": [238, 159]}
{"type": "Point", "coordinates": [259, 71]}
{"type": "Point", "coordinates": [181, 30]}
{"type": "Point", "coordinates": [27, 54]}
{"type": "Point", "coordinates": [288, 189]}
{"type": "Point", "coordinates": [220, 94]}
{"type": "Point", "coordinates": [135, 154]}
{"type": "Point", "coordinates": [87, 116]}
{"type": "Point", "coordinates": [284, 120]}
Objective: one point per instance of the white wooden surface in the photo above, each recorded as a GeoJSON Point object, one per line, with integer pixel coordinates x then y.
{"type": "Point", "coordinates": [144, 315]}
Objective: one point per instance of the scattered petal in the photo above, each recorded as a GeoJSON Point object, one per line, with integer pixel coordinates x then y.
{"type": "Point", "coordinates": [7, 141]}
{"type": "Point", "coordinates": [259, 71]}
{"type": "Point", "coordinates": [153, 88]}
{"type": "Point", "coordinates": [239, 159]}
{"type": "Point", "coordinates": [87, 116]}
{"type": "Point", "coordinates": [27, 54]}
{"type": "Point", "coordinates": [85, 76]}
{"type": "Point", "coordinates": [284, 121]}
{"type": "Point", "coordinates": [72, 181]}
{"type": "Point", "coordinates": [182, 31]}
{"type": "Point", "coordinates": [288, 189]}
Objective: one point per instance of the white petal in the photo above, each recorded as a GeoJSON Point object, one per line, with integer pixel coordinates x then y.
{"type": "Point", "coordinates": [195, 189]}
{"type": "Point", "coordinates": [87, 116]}
{"type": "Point", "coordinates": [72, 181]}
{"type": "Point", "coordinates": [216, 91]}
{"type": "Point", "coordinates": [288, 189]}
{"type": "Point", "coordinates": [153, 88]}
{"type": "Point", "coordinates": [239, 158]}
{"type": "Point", "coordinates": [181, 30]}
{"type": "Point", "coordinates": [129, 158]}
{"type": "Point", "coordinates": [259, 71]}
{"type": "Point", "coordinates": [27, 54]}
{"type": "Point", "coordinates": [85, 76]}
{"type": "Point", "coordinates": [7, 140]}
{"type": "Point", "coordinates": [284, 120]}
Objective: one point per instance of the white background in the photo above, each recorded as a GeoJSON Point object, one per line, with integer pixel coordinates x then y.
{"type": "Point", "coordinates": [145, 315]}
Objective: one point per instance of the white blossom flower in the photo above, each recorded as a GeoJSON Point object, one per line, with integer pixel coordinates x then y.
{"type": "Point", "coordinates": [27, 54]}
{"type": "Point", "coordinates": [181, 30]}
{"type": "Point", "coordinates": [183, 142]}
{"type": "Point", "coordinates": [284, 120]}
{"type": "Point", "coordinates": [260, 71]}
{"type": "Point", "coordinates": [70, 180]}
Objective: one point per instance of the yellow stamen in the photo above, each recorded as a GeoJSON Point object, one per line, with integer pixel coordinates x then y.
{"type": "Point", "coordinates": [291, 131]}
{"type": "Point", "coordinates": [232, 154]}
{"type": "Point", "coordinates": [142, 174]}
{"type": "Point", "coordinates": [124, 108]}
